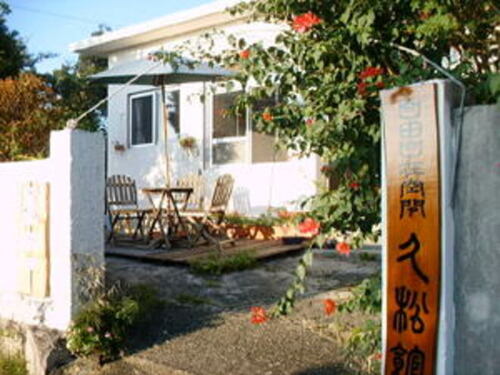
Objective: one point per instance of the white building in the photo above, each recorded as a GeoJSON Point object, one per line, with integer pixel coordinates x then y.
{"type": "Point", "coordinates": [264, 178]}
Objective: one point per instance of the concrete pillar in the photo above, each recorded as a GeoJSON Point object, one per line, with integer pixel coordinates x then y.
{"type": "Point", "coordinates": [477, 244]}
{"type": "Point", "coordinates": [77, 220]}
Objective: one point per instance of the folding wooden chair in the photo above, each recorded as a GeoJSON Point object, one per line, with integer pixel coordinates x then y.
{"type": "Point", "coordinates": [196, 182]}
{"type": "Point", "coordinates": [121, 204]}
{"type": "Point", "coordinates": [208, 222]}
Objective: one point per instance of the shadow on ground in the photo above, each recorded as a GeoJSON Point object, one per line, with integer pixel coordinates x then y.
{"type": "Point", "coordinates": [333, 369]}
{"type": "Point", "coordinates": [205, 328]}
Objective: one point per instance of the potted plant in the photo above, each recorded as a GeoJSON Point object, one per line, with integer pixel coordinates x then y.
{"type": "Point", "coordinates": [188, 143]}
{"type": "Point", "coordinates": [119, 146]}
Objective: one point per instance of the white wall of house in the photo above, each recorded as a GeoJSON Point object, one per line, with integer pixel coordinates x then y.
{"type": "Point", "coordinates": [258, 186]}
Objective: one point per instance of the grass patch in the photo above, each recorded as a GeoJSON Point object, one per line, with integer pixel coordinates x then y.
{"type": "Point", "coordinates": [218, 265]}
{"type": "Point", "coordinates": [192, 299]}
{"type": "Point", "coordinates": [12, 365]}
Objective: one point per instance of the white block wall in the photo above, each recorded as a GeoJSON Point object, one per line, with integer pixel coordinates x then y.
{"type": "Point", "coordinates": [75, 172]}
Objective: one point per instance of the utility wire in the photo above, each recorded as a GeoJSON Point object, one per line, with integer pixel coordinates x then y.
{"type": "Point", "coordinates": [58, 15]}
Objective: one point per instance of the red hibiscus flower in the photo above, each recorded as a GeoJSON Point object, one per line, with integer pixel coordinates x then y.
{"type": "Point", "coordinates": [267, 116]}
{"type": "Point", "coordinates": [343, 248]}
{"type": "Point", "coordinates": [362, 88]}
{"type": "Point", "coordinates": [309, 225]}
{"type": "Point", "coordinates": [304, 22]}
{"type": "Point", "coordinates": [245, 54]}
{"type": "Point", "coordinates": [354, 185]}
{"type": "Point", "coordinates": [329, 306]}
{"type": "Point", "coordinates": [258, 315]}
{"type": "Point", "coordinates": [371, 71]}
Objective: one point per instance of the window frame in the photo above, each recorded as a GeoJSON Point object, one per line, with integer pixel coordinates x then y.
{"type": "Point", "coordinates": [168, 89]}
{"type": "Point", "coordinates": [154, 116]}
{"type": "Point", "coordinates": [233, 139]}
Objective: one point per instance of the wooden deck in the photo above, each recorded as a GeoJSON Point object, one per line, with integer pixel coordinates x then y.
{"type": "Point", "coordinates": [261, 249]}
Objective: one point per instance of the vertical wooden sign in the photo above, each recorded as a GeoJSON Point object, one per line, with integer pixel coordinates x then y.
{"type": "Point", "coordinates": [413, 229]}
{"type": "Point", "coordinates": [33, 219]}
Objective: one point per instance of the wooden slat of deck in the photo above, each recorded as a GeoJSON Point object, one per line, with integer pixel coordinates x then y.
{"type": "Point", "coordinates": [183, 254]}
{"type": "Point", "coordinates": [260, 249]}
{"type": "Point", "coordinates": [227, 250]}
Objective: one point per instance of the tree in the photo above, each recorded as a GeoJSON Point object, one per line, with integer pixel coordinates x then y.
{"type": "Point", "coordinates": [326, 69]}
{"type": "Point", "coordinates": [77, 93]}
{"type": "Point", "coordinates": [32, 105]}
{"type": "Point", "coordinates": [13, 53]}
{"type": "Point", "coordinates": [28, 113]}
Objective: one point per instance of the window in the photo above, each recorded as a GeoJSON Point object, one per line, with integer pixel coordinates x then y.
{"type": "Point", "coordinates": [172, 101]}
{"type": "Point", "coordinates": [229, 140]}
{"type": "Point", "coordinates": [264, 148]}
{"type": "Point", "coordinates": [142, 118]}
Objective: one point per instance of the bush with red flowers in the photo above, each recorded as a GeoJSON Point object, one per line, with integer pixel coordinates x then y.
{"type": "Point", "coordinates": [325, 70]}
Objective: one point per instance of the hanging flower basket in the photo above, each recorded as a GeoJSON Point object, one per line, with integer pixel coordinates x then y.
{"type": "Point", "coordinates": [119, 147]}
{"type": "Point", "coordinates": [188, 143]}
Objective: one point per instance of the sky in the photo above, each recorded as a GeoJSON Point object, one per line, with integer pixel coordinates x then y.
{"type": "Point", "coordinates": [51, 25]}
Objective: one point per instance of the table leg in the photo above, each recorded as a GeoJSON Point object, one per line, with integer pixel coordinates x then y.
{"type": "Point", "coordinates": [157, 211]}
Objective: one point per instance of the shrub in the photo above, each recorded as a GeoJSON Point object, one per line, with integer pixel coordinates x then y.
{"type": "Point", "coordinates": [101, 327]}
{"type": "Point", "coordinates": [12, 365]}
{"type": "Point", "coordinates": [367, 297]}
{"type": "Point", "coordinates": [362, 346]}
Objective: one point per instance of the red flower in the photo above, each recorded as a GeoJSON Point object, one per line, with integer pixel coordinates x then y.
{"type": "Point", "coordinates": [267, 116]}
{"type": "Point", "coordinates": [329, 305]}
{"type": "Point", "coordinates": [371, 71]}
{"type": "Point", "coordinates": [309, 122]}
{"type": "Point", "coordinates": [354, 185]}
{"type": "Point", "coordinates": [258, 315]}
{"type": "Point", "coordinates": [380, 85]}
{"type": "Point", "coordinates": [362, 88]}
{"type": "Point", "coordinates": [245, 54]}
{"type": "Point", "coordinates": [305, 21]}
{"type": "Point", "coordinates": [309, 225]}
{"type": "Point", "coordinates": [343, 248]}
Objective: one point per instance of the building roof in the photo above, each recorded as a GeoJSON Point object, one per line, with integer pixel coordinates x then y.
{"type": "Point", "coordinates": [167, 27]}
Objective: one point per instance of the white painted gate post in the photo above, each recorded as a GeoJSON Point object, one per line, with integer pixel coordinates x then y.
{"type": "Point", "coordinates": [77, 221]}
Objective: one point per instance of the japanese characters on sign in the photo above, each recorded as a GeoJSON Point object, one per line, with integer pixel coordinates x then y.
{"type": "Point", "coordinates": [34, 247]}
{"type": "Point", "coordinates": [413, 230]}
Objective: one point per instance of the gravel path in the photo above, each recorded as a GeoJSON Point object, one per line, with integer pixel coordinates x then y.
{"type": "Point", "coordinates": [205, 329]}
